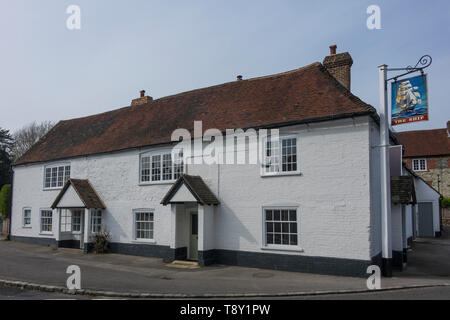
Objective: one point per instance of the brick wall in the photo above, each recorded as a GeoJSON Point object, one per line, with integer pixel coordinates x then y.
{"type": "Point", "coordinates": [437, 168]}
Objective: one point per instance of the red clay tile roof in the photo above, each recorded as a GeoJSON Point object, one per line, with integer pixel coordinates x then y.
{"type": "Point", "coordinates": [196, 186]}
{"type": "Point", "coordinates": [425, 143]}
{"type": "Point", "coordinates": [303, 95]}
{"type": "Point", "coordinates": [85, 191]}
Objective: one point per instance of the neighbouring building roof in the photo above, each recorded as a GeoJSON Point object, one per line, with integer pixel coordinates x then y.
{"type": "Point", "coordinates": [425, 143]}
{"type": "Point", "coordinates": [196, 186]}
{"type": "Point", "coordinates": [85, 191]}
{"type": "Point", "coordinates": [303, 95]}
{"type": "Point", "coordinates": [402, 190]}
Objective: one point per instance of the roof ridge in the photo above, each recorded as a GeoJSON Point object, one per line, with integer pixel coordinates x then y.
{"type": "Point", "coordinates": [314, 64]}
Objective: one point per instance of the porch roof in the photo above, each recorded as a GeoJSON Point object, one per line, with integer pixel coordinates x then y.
{"type": "Point", "coordinates": [85, 192]}
{"type": "Point", "coordinates": [196, 186]}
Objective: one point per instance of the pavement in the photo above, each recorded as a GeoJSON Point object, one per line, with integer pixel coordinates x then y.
{"type": "Point", "coordinates": [428, 269]}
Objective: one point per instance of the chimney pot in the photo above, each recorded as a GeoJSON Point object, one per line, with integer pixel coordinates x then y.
{"type": "Point", "coordinates": [143, 99]}
{"type": "Point", "coordinates": [339, 66]}
{"type": "Point", "coordinates": [239, 78]}
{"type": "Point", "coordinates": [333, 49]}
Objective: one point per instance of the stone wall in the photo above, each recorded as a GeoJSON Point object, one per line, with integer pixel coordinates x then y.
{"type": "Point", "coordinates": [438, 168]}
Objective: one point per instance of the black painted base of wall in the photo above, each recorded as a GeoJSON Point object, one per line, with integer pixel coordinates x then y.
{"type": "Point", "coordinates": [73, 244]}
{"type": "Point", "coordinates": [405, 255]}
{"type": "Point", "coordinates": [397, 260]}
{"type": "Point", "coordinates": [285, 262]}
{"type": "Point", "coordinates": [438, 234]}
{"type": "Point", "coordinates": [386, 268]}
{"type": "Point", "coordinates": [409, 241]}
{"type": "Point", "coordinates": [49, 242]}
{"type": "Point", "coordinates": [144, 250]}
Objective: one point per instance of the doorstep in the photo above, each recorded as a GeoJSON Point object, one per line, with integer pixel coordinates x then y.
{"type": "Point", "coordinates": [184, 264]}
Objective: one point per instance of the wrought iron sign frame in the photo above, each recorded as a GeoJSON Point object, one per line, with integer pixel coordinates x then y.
{"type": "Point", "coordinates": [423, 63]}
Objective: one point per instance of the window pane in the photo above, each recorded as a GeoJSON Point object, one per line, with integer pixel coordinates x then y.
{"type": "Point", "coordinates": [156, 168]}
{"type": "Point", "coordinates": [277, 215]}
{"type": "Point", "coordinates": [277, 238]}
{"type": "Point", "coordinates": [289, 155]}
{"type": "Point", "coordinates": [293, 227]}
{"type": "Point", "coordinates": [48, 176]}
{"type": "Point", "coordinates": [277, 226]}
{"type": "Point", "coordinates": [178, 166]}
{"type": "Point", "coordinates": [269, 215]}
{"type": "Point", "coordinates": [54, 177]}
{"type": "Point", "coordinates": [293, 240]}
{"type": "Point", "coordinates": [272, 160]}
{"type": "Point", "coordinates": [269, 238]}
{"type": "Point", "coordinates": [292, 215]}
{"type": "Point", "coordinates": [167, 166]}
{"type": "Point", "coordinates": [66, 173]}
{"type": "Point", "coordinates": [60, 176]}
{"type": "Point", "coordinates": [269, 226]}
{"type": "Point", "coordinates": [145, 169]}
{"type": "Point", "coordinates": [284, 215]}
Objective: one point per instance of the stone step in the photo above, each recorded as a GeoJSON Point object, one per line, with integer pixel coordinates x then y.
{"type": "Point", "coordinates": [184, 264]}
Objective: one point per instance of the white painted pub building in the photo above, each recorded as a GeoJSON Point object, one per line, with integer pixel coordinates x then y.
{"type": "Point", "coordinates": [314, 206]}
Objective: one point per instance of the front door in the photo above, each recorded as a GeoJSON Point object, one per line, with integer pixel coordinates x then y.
{"type": "Point", "coordinates": [193, 243]}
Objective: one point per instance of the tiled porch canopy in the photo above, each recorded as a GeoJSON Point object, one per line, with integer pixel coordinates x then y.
{"type": "Point", "coordinates": [196, 186]}
{"type": "Point", "coordinates": [85, 192]}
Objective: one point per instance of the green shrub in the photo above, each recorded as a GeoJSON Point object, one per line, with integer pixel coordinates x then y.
{"type": "Point", "coordinates": [5, 201]}
{"type": "Point", "coordinates": [101, 242]}
{"type": "Point", "coordinates": [445, 203]}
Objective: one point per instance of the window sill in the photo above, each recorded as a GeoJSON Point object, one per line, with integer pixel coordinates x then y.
{"type": "Point", "coordinates": [26, 227]}
{"type": "Point", "coordinates": [283, 174]}
{"type": "Point", "coordinates": [283, 248]}
{"type": "Point", "coordinates": [45, 233]}
{"type": "Point", "coordinates": [144, 241]}
{"type": "Point", "coordinates": [52, 189]}
{"type": "Point", "coordinates": [168, 182]}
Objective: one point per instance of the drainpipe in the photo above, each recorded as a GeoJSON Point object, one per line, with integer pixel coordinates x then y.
{"type": "Point", "coordinates": [386, 236]}
{"type": "Point", "coordinates": [11, 214]}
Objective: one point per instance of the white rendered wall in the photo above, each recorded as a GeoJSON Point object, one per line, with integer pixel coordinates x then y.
{"type": "Point", "coordinates": [332, 194]}
{"type": "Point", "coordinates": [425, 193]}
{"type": "Point", "coordinates": [396, 223]}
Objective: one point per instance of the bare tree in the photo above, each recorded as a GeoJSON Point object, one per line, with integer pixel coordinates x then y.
{"type": "Point", "coordinates": [26, 137]}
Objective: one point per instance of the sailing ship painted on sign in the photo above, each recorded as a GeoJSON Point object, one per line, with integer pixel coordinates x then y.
{"type": "Point", "coordinates": [409, 100]}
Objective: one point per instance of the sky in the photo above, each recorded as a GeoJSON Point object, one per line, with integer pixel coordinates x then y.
{"type": "Point", "coordinates": [48, 72]}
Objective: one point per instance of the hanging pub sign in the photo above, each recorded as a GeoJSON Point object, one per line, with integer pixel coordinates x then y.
{"type": "Point", "coordinates": [409, 100]}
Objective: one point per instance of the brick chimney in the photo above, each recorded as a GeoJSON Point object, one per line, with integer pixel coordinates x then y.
{"type": "Point", "coordinates": [143, 99]}
{"type": "Point", "coordinates": [339, 65]}
{"type": "Point", "coordinates": [448, 129]}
